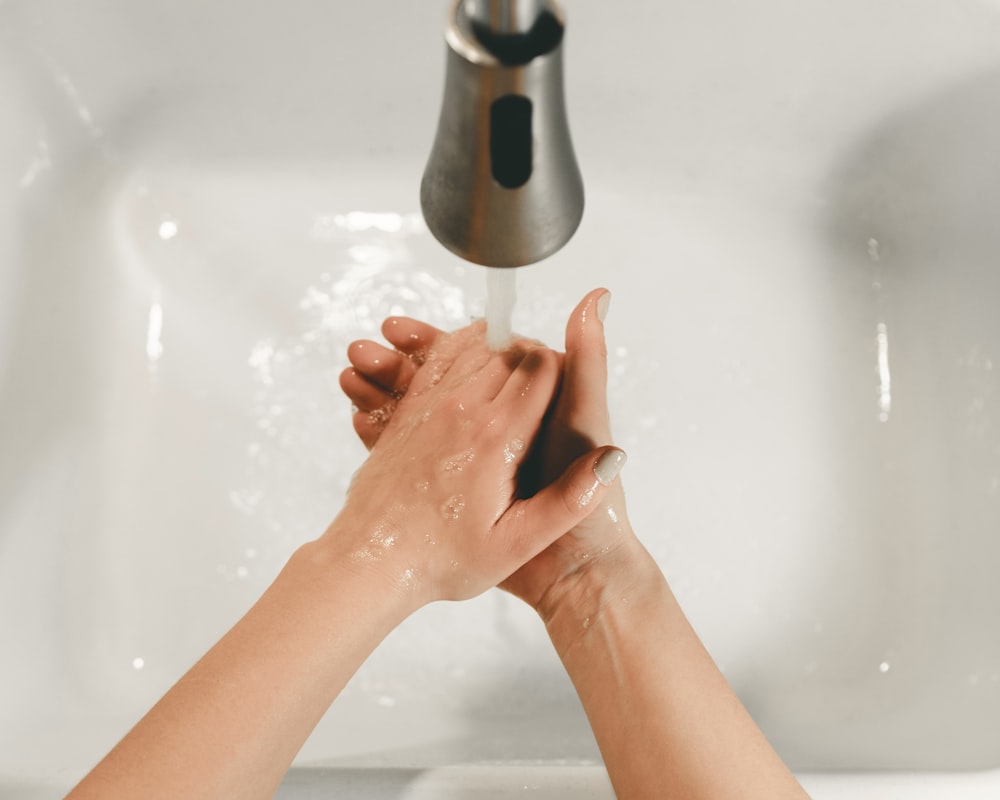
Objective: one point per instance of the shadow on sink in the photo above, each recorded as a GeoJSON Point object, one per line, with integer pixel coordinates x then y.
{"type": "Point", "coordinates": [915, 275]}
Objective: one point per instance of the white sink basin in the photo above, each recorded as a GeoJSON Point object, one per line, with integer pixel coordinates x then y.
{"type": "Point", "coordinates": [792, 203]}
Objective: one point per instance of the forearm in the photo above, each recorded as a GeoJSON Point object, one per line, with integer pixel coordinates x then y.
{"type": "Point", "coordinates": [665, 719]}
{"type": "Point", "coordinates": [231, 726]}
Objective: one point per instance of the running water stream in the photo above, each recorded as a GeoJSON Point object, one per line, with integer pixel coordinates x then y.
{"type": "Point", "coordinates": [501, 294]}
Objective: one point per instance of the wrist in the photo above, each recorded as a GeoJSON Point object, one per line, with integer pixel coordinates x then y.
{"type": "Point", "coordinates": [347, 557]}
{"type": "Point", "coordinates": [624, 578]}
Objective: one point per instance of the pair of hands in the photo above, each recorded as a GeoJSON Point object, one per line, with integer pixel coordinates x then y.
{"type": "Point", "coordinates": [444, 506]}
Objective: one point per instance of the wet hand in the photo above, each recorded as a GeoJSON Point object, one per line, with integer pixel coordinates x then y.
{"type": "Point", "coordinates": [579, 422]}
{"type": "Point", "coordinates": [435, 508]}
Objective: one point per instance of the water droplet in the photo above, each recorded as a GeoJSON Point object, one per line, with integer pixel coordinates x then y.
{"type": "Point", "coordinates": [406, 579]}
{"type": "Point", "coordinates": [380, 416]}
{"type": "Point", "coordinates": [452, 507]}
{"type": "Point", "coordinates": [884, 667]}
{"type": "Point", "coordinates": [511, 450]}
{"type": "Point", "coordinates": [138, 663]}
{"type": "Point", "coordinates": [457, 463]}
{"type": "Point", "coordinates": [383, 539]}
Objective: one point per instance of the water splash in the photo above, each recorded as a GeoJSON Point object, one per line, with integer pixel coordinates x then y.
{"type": "Point", "coordinates": [365, 270]}
{"type": "Point", "coordinates": [884, 377]}
{"type": "Point", "coordinates": [875, 256]}
{"type": "Point", "coordinates": [154, 332]}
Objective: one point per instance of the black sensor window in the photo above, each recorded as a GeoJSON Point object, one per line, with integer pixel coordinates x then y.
{"type": "Point", "coordinates": [511, 141]}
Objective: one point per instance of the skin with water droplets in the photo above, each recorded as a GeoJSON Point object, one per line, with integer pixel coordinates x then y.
{"type": "Point", "coordinates": [456, 414]}
{"type": "Point", "coordinates": [380, 416]}
{"type": "Point", "coordinates": [452, 508]}
{"type": "Point", "coordinates": [512, 450]}
{"type": "Point", "coordinates": [459, 462]}
{"type": "Point", "coordinates": [382, 540]}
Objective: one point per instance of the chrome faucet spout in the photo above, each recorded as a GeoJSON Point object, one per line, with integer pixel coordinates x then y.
{"type": "Point", "coordinates": [502, 187]}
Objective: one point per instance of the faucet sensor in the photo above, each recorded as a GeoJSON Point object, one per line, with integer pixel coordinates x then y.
{"type": "Point", "coordinates": [502, 187]}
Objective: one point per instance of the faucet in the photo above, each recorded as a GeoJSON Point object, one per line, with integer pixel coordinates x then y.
{"type": "Point", "coordinates": [502, 187]}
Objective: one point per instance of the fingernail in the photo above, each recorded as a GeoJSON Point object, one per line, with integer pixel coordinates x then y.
{"type": "Point", "coordinates": [603, 303]}
{"type": "Point", "coordinates": [609, 465]}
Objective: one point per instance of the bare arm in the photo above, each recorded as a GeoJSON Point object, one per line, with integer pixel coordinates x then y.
{"type": "Point", "coordinates": [416, 527]}
{"type": "Point", "coordinates": [666, 720]}
{"type": "Point", "coordinates": [232, 725]}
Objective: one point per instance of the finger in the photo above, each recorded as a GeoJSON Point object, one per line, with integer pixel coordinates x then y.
{"type": "Point", "coordinates": [368, 425]}
{"type": "Point", "coordinates": [452, 359]}
{"type": "Point", "coordinates": [530, 387]}
{"type": "Point", "coordinates": [585, 376]}
{"type": "Point", "coordinates": [388, 369]}
{"type": "Point", "coordinates": [362, 392]}
{"type": "Point", "coordinates": [410, 336]}
{"type": "Point", "coordinates": [533, 524]}
{"type": "Point", "coordinates": [487, 382]}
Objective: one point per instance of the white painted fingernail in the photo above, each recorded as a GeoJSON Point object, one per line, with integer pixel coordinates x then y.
{"type": "Point", "coordinates": [603, 303]}
{"type": "Point", "coordinates": [609, 465]}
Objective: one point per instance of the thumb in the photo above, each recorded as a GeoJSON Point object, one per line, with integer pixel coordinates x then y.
{"type": "Point", "coordinates": [565, 502]}
{"type": "Point", "coordinates": [585, 376]}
